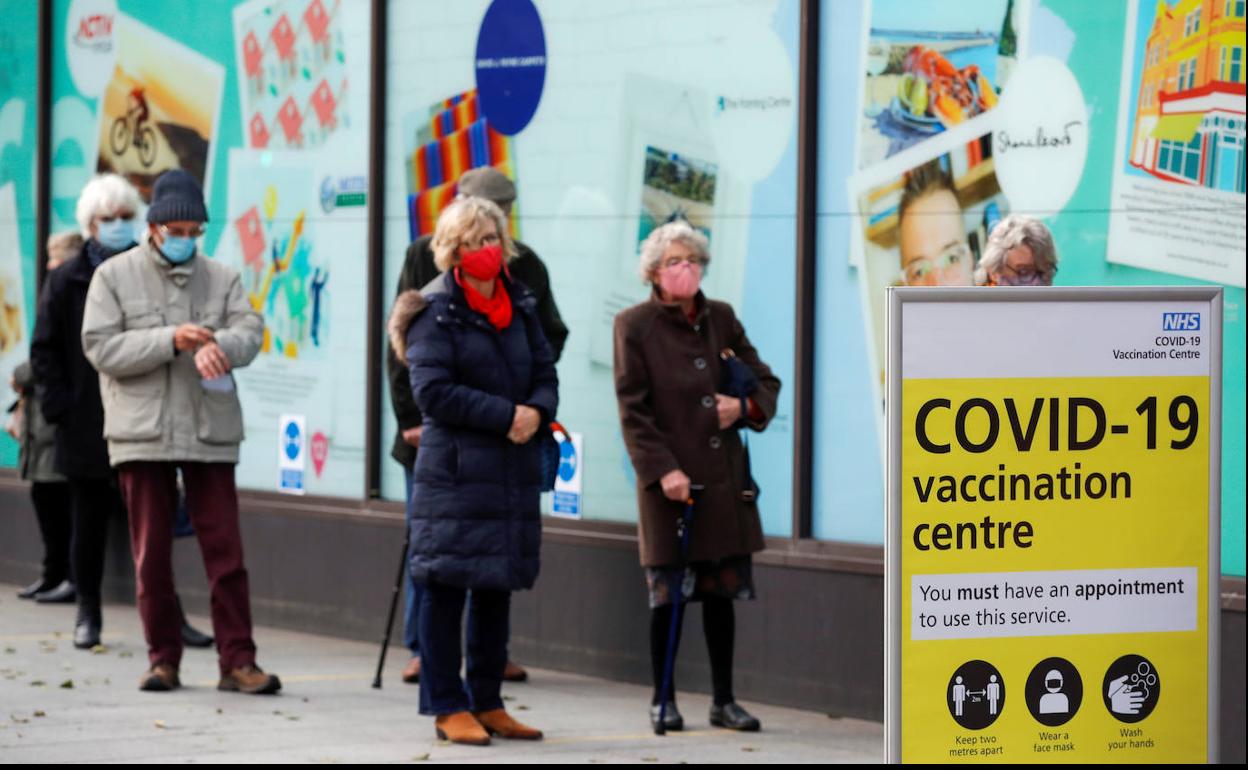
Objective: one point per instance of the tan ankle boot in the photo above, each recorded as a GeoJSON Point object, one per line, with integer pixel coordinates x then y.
{"type": "Point", "coordinates": [499, 722]}
{"type": "Point", "coordinates": [461, 727]}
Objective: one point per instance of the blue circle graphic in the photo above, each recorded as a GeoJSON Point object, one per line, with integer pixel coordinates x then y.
{"type": "Point", "coordinates": [291, 441]}
{"type": "Point", "coordinates": [567, 460]}
{"type": "Point", "coordinates": [510, 64]}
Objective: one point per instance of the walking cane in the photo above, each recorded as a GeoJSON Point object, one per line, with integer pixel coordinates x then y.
{"type": "Point", "coordinates": [683, 525]}
{"type": "Point", "coordinates": [394, 603]}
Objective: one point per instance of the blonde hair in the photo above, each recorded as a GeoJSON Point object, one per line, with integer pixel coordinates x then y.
{"type": "Point", "coordinates": [62, 247]}
{"type": "Point", "coordinates": [460, 222]}
{"type": "Point", "coordinates": [105, 194]}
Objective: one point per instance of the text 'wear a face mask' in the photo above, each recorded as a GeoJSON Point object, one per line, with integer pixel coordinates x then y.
{"type": "Point", "coordinates": [116, 234]}
{"type": "Point", "coordinates": [484, 263]}
{"type": "Point", "coordinates": [178, 249]}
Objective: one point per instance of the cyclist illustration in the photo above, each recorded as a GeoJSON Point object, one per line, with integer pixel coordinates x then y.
{"type": "Point", "coordinates": [132, 129]}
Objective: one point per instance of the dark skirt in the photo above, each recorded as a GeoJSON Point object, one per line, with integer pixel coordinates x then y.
{"type": "Point", "coordinates": [731, 577]}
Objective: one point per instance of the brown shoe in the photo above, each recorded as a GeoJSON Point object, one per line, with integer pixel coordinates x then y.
{"type": "Point", "coordinates": [515, 673]}
{"type": "Point", "coordinates": [411, 672]}
{"type": "Point", "coordinates": [461, 727]}
{"type": "Point", "coordinates": [161, 677]}
{"type": "Point", "coordinates": [251, 680]}
{"type": "Point", "coordinates": [499, 722]}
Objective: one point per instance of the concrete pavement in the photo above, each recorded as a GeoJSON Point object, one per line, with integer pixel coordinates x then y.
{"type": "Point", "coordinates": [59, 704]}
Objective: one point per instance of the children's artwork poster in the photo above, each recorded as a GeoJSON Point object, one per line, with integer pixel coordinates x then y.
{"type": "Point", "coordinates": [160, 108]}
{"type": "Point", "coordinates": [294, 255]}
{"type": "Point", "coordinates": [292, 71]}
{"type": "Point", "coordinates": [1178, 180]}
{"type": "Point", "coordinates": [14, 340]}
{"type": "Point", "coordinates": [932, 66]}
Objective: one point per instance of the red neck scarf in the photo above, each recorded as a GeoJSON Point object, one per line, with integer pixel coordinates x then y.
{"type": "Point", "coordinates": [497, 309]}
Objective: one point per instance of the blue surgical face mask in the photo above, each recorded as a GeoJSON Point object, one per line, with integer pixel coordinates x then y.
{"type": "Point", "coordinates": [115, 235]}
{"type": "Point", "coordinates": [178, 249]}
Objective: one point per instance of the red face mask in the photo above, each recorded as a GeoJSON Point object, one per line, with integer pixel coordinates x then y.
{"type": "Point", "coordinates": [484, 264]}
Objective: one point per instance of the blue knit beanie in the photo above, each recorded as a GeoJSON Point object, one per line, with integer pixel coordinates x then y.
{"type": "Point", "coordinates": [176, 197]}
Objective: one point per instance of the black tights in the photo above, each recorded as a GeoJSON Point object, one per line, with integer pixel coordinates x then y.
{"type": "Point", "coordinates": [719, 623]}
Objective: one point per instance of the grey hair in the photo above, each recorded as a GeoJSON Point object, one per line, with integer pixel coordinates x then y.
{"type": "Point", "coordinates": [655, 244]}
{"type": "Point", "coordinates": [457, 223]}
{"type": "Point", "coordinates": [105, 194]}
{"type": "Point", "coordinates": [1014, 231]}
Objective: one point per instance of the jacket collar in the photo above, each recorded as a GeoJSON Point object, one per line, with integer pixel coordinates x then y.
{"type": "Point", "coordinates": [674, 311]}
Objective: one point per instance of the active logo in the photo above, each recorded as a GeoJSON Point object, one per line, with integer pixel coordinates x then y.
{"type": "Point", "coordinates": [95, 32]}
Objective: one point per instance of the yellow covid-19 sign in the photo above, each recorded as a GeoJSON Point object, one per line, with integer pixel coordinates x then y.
{"type": "Point", "coordinates": [1050, 536]}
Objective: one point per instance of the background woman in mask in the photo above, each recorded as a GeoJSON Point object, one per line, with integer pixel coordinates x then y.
{"type": "Point", "coordinates": [1020, 252]}
{"type": "Point", "coordinates": [681, 428]}
{"type": "Point", "coordinates": [69, 392]}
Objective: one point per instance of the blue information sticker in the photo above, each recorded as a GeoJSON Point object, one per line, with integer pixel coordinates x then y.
{"type": "Point", "coordinates": [510, 65]}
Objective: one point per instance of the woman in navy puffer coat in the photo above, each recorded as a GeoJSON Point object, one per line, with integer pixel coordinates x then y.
{"type": "Point", "coordinates": [483, 376]}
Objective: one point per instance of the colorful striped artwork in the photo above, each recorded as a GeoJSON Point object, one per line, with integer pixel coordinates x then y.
{"type": "Point", "coordinates": [456, 139]}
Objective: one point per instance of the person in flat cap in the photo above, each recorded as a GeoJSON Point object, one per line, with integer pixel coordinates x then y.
{"type": "Point", "coordinates": [165, 326]}
{"type": "Point", "coordinates": [419, 271]}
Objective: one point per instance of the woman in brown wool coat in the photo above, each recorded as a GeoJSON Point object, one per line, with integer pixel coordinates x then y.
{"type": "Point", "coordinates": [681, 429]}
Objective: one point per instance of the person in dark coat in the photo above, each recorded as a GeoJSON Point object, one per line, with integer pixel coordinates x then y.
{"type": "Point", "coordinates": [68, 388]}
{"type": "Point", "coordinates": [418, 270]}
{"type": "Point", "coordinates": [483, 376]}
{"type": "Point", "coordinates": [681, 429]}
{"type": "Point", "coordinates": [49, 491]}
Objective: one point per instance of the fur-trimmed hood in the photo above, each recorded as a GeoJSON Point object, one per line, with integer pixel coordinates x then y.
{"type": "Point", "coordinates": [407, 306]}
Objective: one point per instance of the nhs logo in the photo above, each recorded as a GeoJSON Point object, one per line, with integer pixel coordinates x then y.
{"type": "Point", "coordinates": [1180, 322]}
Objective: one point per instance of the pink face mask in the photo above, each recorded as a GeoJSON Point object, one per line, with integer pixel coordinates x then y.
{"type": "Point", "coordinates": [680, 281]}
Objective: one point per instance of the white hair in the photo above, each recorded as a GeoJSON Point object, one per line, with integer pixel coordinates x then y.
{"type": "Point", "coordinates": [105, 194]}
{"type": "Point", "coordinates": [1010, 233]}
{"type": "Point", "coordinates": [655, 245]}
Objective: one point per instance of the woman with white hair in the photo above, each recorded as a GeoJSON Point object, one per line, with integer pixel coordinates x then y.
{"type": "Point", "coordinates": [484, 379]}
{"type": "Point", "coordinates": [1019, 252]}
{"type": "Point", "coordinates": [687, 379]}
{"type": "Point", "coordinates": [69, 393]}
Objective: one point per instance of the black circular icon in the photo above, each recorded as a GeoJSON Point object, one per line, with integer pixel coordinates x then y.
{"type": "Point", "coordinates": [1054, 691]}
{"type": "Point", "coordinates": [976, 694]}
{"type": "Point", "coordinates": [1132, 688]}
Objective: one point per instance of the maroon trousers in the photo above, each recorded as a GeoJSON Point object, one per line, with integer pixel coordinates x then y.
{"type": "Point", "coordinates": [150, 490]}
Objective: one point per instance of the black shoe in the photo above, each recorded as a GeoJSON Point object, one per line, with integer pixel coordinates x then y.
{"type": "Point", "coordinates": [38, 586]}
{"type": "Point", "coordinates": [733, 717]}
{"type": "Point", "coordinates": [672, 720]}
{"type": "Point", "coordinates": [87, 627]}
{"type": "Point", "coordinates": [65, 593]}
{"type": "Point", "coordinates": [193, 637]}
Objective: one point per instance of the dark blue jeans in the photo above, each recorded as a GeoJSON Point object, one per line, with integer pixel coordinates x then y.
{"type": "Point", "coordinates": [411, 607]}
{"type": "Point", "coordinates": [441, 615]}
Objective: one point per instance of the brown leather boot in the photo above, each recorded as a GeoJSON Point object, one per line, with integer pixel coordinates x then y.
{"type": "Point", "coordinates": [161, 677]}
{"type": "Point", "coordinates": [461, 727]}
{"type": "Point", "coordinates": [499, 722]}
{"type": "Point", "coordinates": [514, 672]}
{"type": "Point", "coordinates": [251, 680]}
{"type": "Point", "coordinates": [411, 672]}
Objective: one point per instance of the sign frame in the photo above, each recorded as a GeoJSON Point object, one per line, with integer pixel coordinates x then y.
{"type": "Point", "coordinates": [897, 298]}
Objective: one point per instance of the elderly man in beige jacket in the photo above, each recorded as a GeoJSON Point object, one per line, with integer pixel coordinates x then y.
{"type": "Point", "coordinates": [165, 328]}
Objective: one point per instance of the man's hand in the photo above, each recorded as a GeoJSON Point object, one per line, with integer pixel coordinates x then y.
{"type": "Point", "coordinates": [411, 436]}
{"type": "Point", "coordinates": [191, 337]}
{"type": "Point", "coordinates": [211, 361]}
{"type": "Point", "coordinates": [524, 424]}
{"type": "Point", "coordinates": [675, 486]}
{"type": "Point", "coordinates": [729, 409]}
